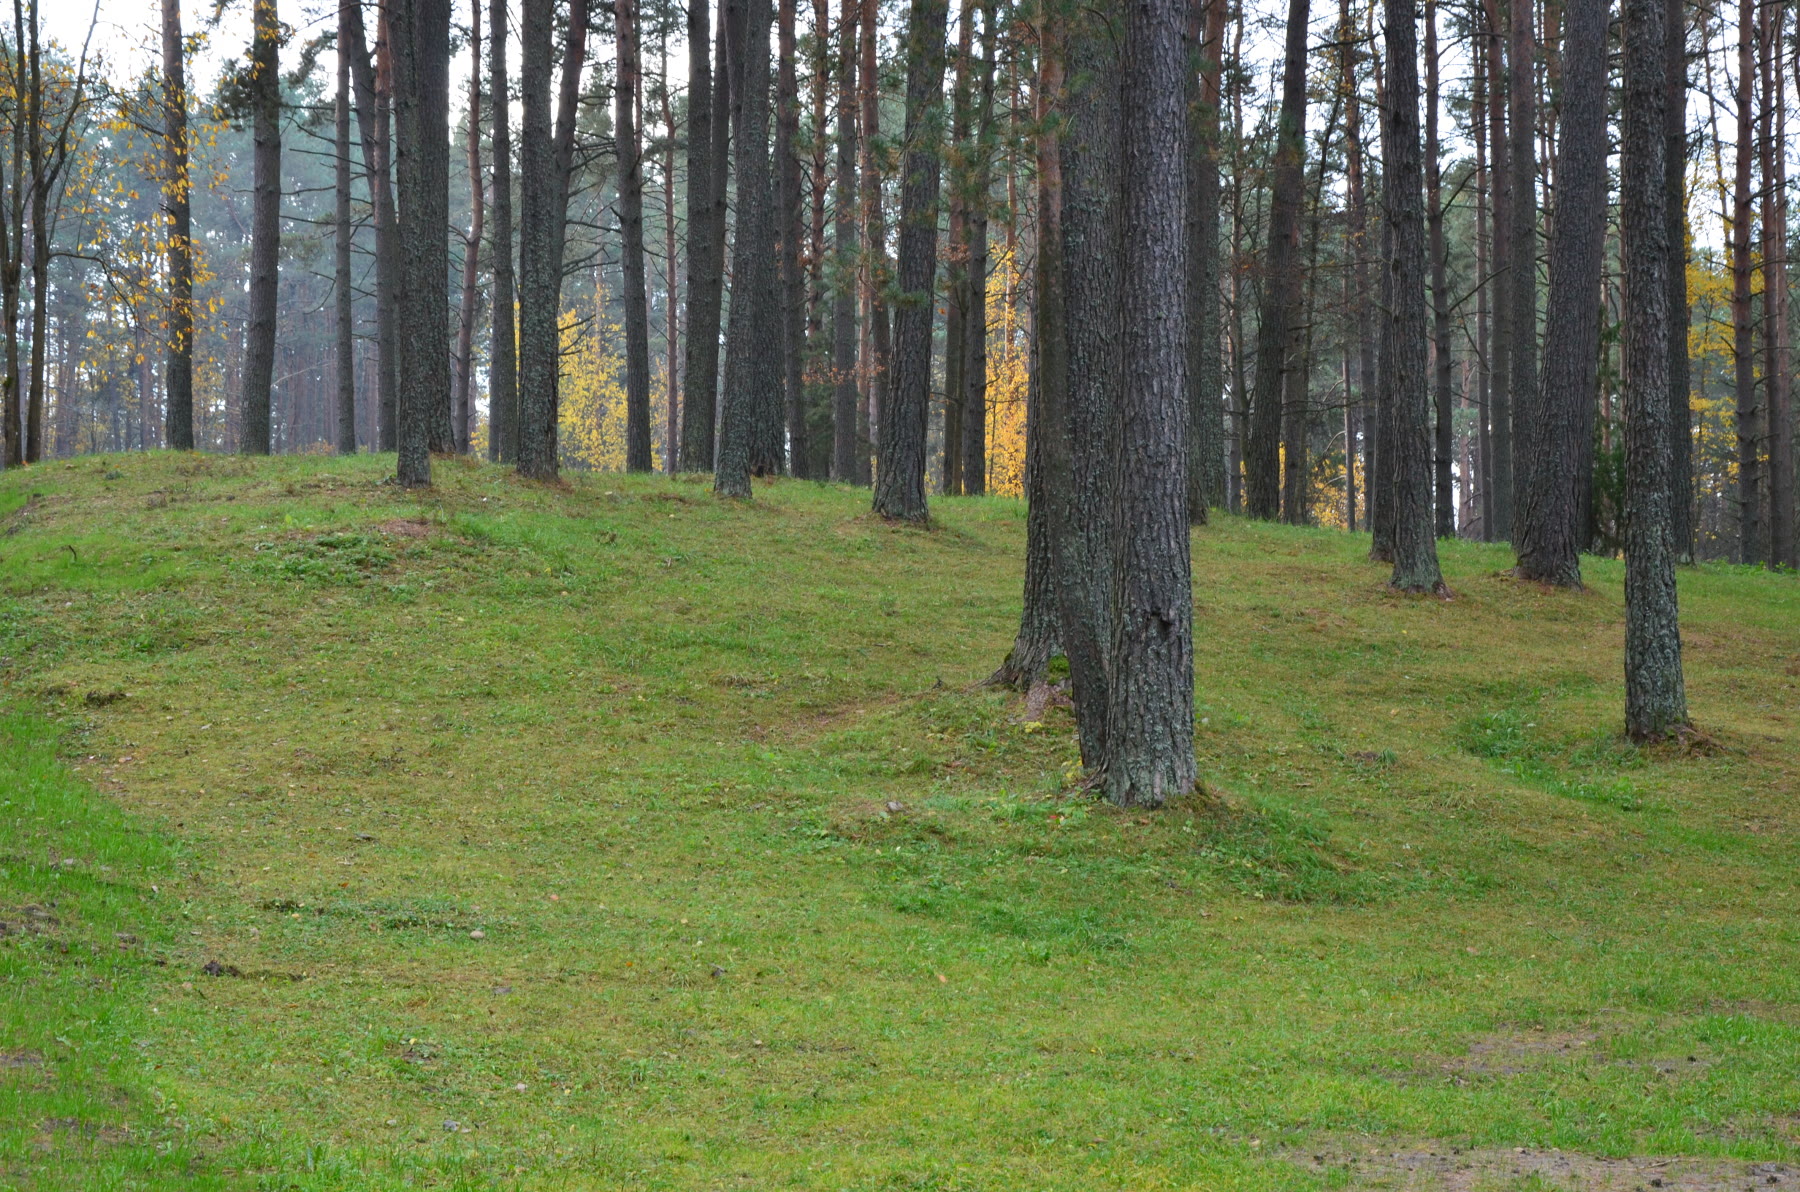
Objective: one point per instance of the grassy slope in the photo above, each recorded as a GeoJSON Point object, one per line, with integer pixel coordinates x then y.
{"type": "Point", "coordinates": [645, 743]}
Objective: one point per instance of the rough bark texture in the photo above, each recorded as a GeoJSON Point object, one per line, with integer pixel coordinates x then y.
{"type": "Point", "coordinates": [178, 376]}
{"type": "Point", "coordinates": [705, 264]}
{"type": "Point", "coordinates": [973, 395]}
{"type": "Point", "coordinates": [421, 31]}
{"type": "Point", "coordinates": [1407, 433]}
{"type": "Point", "coordinates": [788, 236]}
{"type": "Point", "coordinates": [503, 357]}
{"type": "Point", "coordinates": [631, 226]}
{"type": "Point", "coordinates": [844, 247]}
{"type": "Point", "coordinates": [265, 226]}
{"type": "Point", "coordinates": [1500, 406]}
{"type": "Point", "coordinates": [876, 268]}
{"type": "Point", "coordinates": [753, 374]}
{"type": "Point", "coordinates": [1521, 157]}
{"type": "Point", "coordinates": [1675, 143]}
{"type": "Point", "coordinates": [1276, 338]}
{"type": "Point", "coordinates": [1358, 429]}
{"type": "Point", "coordinates": [956, 257]}
{"type": "Point", "coordinates": [1205, 381]}
{"type": "Point", "coordinates": [1777, 352]}
{"type": "Point", "coordinates": [370, 93]}
{"type": "Point", "coordinates": [1442, 445]}
{"type": "Point", "coordinates": [462, 412]}
{"type": "Point", "coordinates": [1150, 710]}
{"type": "Point", "coordinates": [1549, 526]}
{"type": "Point", "coordinates": [342, 281]}
{"type": "Point", "coordinates": [1655, 698]}
{"type": "Point", "coordinates": [900, 474]}
{"type": "Point", "coordinates": [1750, 427]}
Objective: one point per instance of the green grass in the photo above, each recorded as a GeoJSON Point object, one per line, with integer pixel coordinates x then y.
{"type": "Point", "coordinates": [564, 816]}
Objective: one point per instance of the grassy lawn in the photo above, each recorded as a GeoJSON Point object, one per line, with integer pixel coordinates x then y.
{"type": "Point", "coordinates": [608, 836]}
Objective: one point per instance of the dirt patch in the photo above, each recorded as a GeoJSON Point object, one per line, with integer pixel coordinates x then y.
{"type": "Point", "coordinates": [405, 527]}
{"type": "Point", "coordinates": [53, 1128]}
{"type": "Point", "coordinates": [21, 1059]}
{"type": "Point", "coordinates": [1509, 1053]}
{"type": "Point", "coordinates": [1451, 1169]}
{"type": "Point", "coordinates": [27, 920]}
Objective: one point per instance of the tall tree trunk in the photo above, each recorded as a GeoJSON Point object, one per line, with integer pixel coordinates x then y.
{"type": "Point", "coordinates": [12, 255]}
{"type": "Point", "coordinates": [706, 276]}
{"type": "Point", "coordinates": [1444, 450]}
{"type": "Point", "coordinates": [1205, 457]}
{"type": "Point", "coordinates": [973, 395]}
{"type": "Point", "coordinates": [1500, 404]}
{"type": "Point", "coordinates": [1521, 159]}
{"type": "Point", "coordinates": [372, 88]}
{"type": "Point", "coordinates": [1778, 356]}
{"type": "Point", "coordinates": [753, 388]}
{"type": "Point", "coordinates": [1655, 696]}
{"type": "Point", "coordinates": [421, 34]}
{"type": "Point", "coordinates": [342, 280]}
{"type": "Point", "coordinates": [900, 476]}
{"type": "Point", "coordinates": [1548, 532]}
{"type": "Point", "coordinates": [1277, 337]}
{"type": "Point", "coordinates": [1355, 422]}
{"type": "Point", "coordinates": [1484, 459]}
{"type": "Point", "coordinates": [956, 255]}
{"type": "Point", "coordinates": [462, 410]}
{"type": "Point", "coordinates": [503, 351]}
{"type": "Point", "coordinates": [875, 237]}
{"type": "Point", "coordinates": [1749, 410]}
{"type": "Point", "coordinates": [638, 457]}
{"type": "Point", "coordinates": [1675, 203]}
{"type": "Point", "coordinates": [788, 233]}
{"type": "Point", "coordinates": [844, 247]}
{"type": "Point", "coordinates": [178, 376]}
{"type": "Point", "coordinates": [671, 272]}
{"type": "Point", "coordinates": [265, 225]}
{"type": "Point", "coordinates": [1150, 711]}
{"type": "Point", "coordinates": [1406, 432]}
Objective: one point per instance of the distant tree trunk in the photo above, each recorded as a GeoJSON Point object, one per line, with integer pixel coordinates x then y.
{"type": "Point", "coordinates": [462, 410]}
{"type": "Point", "coordinates": [503, 358]}
{"type": "Point", "coordinates": [753, 374]}
{"type": "Point", "coordinates": [546, 161]}
{"type": "Point", "coordinates": [973, 397]}
{"type": "Point", "coordinates": [178, 377]}
{"type": "Point", "coordinates": [638, 457]}
{"type": "Point", "coordinates": [1778, 356]}
{"type": "Point", "coordinates": [1521, 158]}
{"type": "Point", "coordinates": [421, 33]}
{"type": "Point", "coordinates": [1445, 448]}
{"type": "Point", "coordinates": [1655, 696]}
{"type": "Point", "coordinates": [1277, 325]}
{"type": "Point", "coordinates": [1500, 407]}
{"type": "Point", "coordinates": [1355, 423]}
{"type": "Point", "coordinates": [371, 89]}
{"type": "Point", "coordinates": [265, 225]}
{"type": "Point", "coordinates": [788, 233]}
{"type": "Point", "coordinates": [342, 280]}
{"type": "Point", "coordinates": [875, 236]}
{"type": "Point", "coordinates": [900, 477]}
{"type": "Point", "coordinates": [1478, 117]}
{"type": "Point", "coordinates": [671, 272]}
{"type": "Point", "coordinates": [1548, 529]}
{"type": "Point", "coordinates": [844, 248]}
{"type": "Point", "coordinates": [956, 257]}
{"type": "Point", "coordinates": [1205, 381]}
{"type": "Point", "coordinates": [1150, 711]}
{"type": "Point", "coordinates": [1675, 203]}
{"type": "Point", "coordinates": [705, 265]}
{"type": "Point", "coordinates": [1406, 432]}
{"type": "Point", "coordinates": [1750, 427]}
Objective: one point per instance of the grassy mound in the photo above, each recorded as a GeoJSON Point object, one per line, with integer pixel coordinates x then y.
{"type": "Point", "coordinates": [606, 835]}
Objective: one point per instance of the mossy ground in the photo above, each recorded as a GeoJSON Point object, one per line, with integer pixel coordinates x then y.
{"type": "Point", "coordinates": [511, 836]}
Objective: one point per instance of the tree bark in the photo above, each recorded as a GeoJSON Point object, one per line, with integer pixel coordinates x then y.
{"type": "Point", "coordinates": [1356, 420]}
{"type": "Point", "coordinates": [342, 280]}
{"type": "Point", "coordinates": [638, 457]}
{"type": "Point", "coordinates": [1750, 428]}
{"type": "Point", "coordinates": [956, 257]}
{"type": "Point", "coordinates": [875, 236]}
{"type": "Point", "coordinates": [1777, 354]}
{"type": "Point", "coordinates": [1675, 204]}
{"type": "Point", "coordinates": [844, 246]}
{"type": "Point", "coordinates": [973, 396]}
{"type": "Point", "coordinates": [1549, 526]}
{"type": "Point", "coordinates": [1277, 326]}
{"type": "Point", "coordinates": [1205, 380]}
{"type": "Point", "coordinates": [706, 277]}
{"type": "Point", "coordinates": [503, 357]}
{"type": "Point", "coordinates": [1500, 406]}
{"type": "Point", "coordinates": [178, 376]}
{"type": "Point", "coordinates": [265, 226]}
{"type": "Point", "coordinates": [1521, 158]}
{"type": "Point", "coordinates": [1406, 433]}
{"type": "Point", "coordinates": [421, 33]}
{"type": "Point", "coordinates": [372, 87]}
{"type": "Point", "coordinates": [1444, 448]}
{"type": "Point", "coordinates": [461, 409]}
{"type": "Point", "coordinates": [788, 233]}
{"type": "Point", "coordinates": [1655, 697]}
{"type": "Point", "coordinates": [900, 476]}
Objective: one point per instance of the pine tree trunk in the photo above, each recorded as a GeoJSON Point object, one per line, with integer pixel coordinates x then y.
{"type": "Point", "coordinates": [1778, 352]}
{"type": "Point", "coordinates": [1277, 324]}
{"type": "Point", "coordinates": [421, 33]}
{"type": "Point", "coordinates": [973, 396]}
{"type": "Point", "coordinates": [178, 377]}
{"type": "Point", "coordinates": [461, 407]}
{"type": "Point", "coordinates": [1548, 526]}
{"type": "Point", "coordinates": [638, 457]}
{"type": "Point", "coordinates": [1356, 424]}
{"type": "Point", "coordinates": [1444, 449]}
{"type": "Point", "coordinates": [875, 237]}
{"type": "Point", "coordinates": [900, 475]}
{"type": "Point", "coordinates": [671, 272]}
{"type": "Point", "coordinates": [1500, 404]}
{"type": "Point", "coordinates": [1205, 457]}
{"type": "Point", "coordinates": [788, 233]}
{"type": "Point", "coordinates": [1484, 459]}
{"type": "Point", "coordinates": [1675, 204]}
{"type": "Point", "coordinates": [342, 280]}
{"type": "Point", "coordinates": [1407, 432]}
{"type": "Point", "coordinates": [503, 352]}
{"type": "Point", "coordinates": [1655, 697]}
{"type": "Point", "coordinates": [265, 227]}
{"type": "Point", "coordinates": [956, 257]}
{"type": "Point", "coordinates": [1749, 411]}
{"type": "Point", "coordinates": [844, 248]}
{"type": "Point", "coordinates": [705, 267]}
{"type": "Point", "coordinates": [1521, 159]}
{"type": "Point", "coordinates": [372, 87]}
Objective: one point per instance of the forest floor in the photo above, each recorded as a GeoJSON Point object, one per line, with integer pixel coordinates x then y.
{"type": "Point", "coordinates": [608, 836]}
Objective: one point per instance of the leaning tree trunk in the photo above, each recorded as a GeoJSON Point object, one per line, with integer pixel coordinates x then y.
{"type": "Point", "coordinates": [1277, 322]}
{"type": "Point", "coordinates": [900, 475]}
{"type": "Point", "coordinates": [1548, 525]}
{"type": "Point", "coordinates": [1749, 413]}
{"type": "Point", "coordinates": [1406, 434]}
{"type": "Point", "coordinates": [1521, 157]}
{"type": "Point", "coordinates": [342, 280]}
{"type": "Point", "coordinates": [178, 378]}
{"type": "Point", "coordinates": [843, 272]}
{"type": "Point", "coordinates": [1150, 709]}
{"type": "Point", "coordinates": [1205, 457]}
{"type": "Point", "coordinates": [638, 457]}
{"type": "Point", "coordinates": [462, 409]}
{"type": "Point", "coordinates": [421, 32]}
{"type": "Point", "coordinates": [503, 350]}
{"type": "Point", "coordinates": [1655, 697]}
{"type": "Point", "coordinates": [265, 227]}
{"type": "Point", "coordinates": [705, 265]}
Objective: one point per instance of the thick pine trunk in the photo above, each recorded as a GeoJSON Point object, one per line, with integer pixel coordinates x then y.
{"type": "Point", "coordinates": [1655, 697]}
{"type": "Point", "coordinates": [1407, 431]}
{"type": "Point", "coordinates": [265, 227]}
{"type": "Point", "coordinates": [178, 376]}
{"type": "Point", "coordinates": [705, 264]}
{"type": "Point", "coordinates": [638, 457]}
{"type": "Point", "coordinates": [973, 393]}
{"type": "Point", "coordinates": [1444, 448]}
{"type": "Point", "coordinates": [1521, 157]}
{"type": "Point", "coordinates": [503, 351]}
{"type": "Point", "coordinates": [900, 474]}
{"type": "Point", "coordinates": [1205, 381]}
{"type": "Point", "coordinates": [1277, 324]}
{"type": "Point", "coordinates": [461, 406]}
{"type": "Point", "coordinates": [342, 280]}
{"type": "Point", "coordinates": [421, 32]}
{"type": "Point", "coordinates": [844, 249]}
{"type": "Point", "coordinates": [1549, 526]}
{"type": "Point", "coordinates": [1749, 410]}
{"type": "Point", "coordinates": [1777, 352]}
